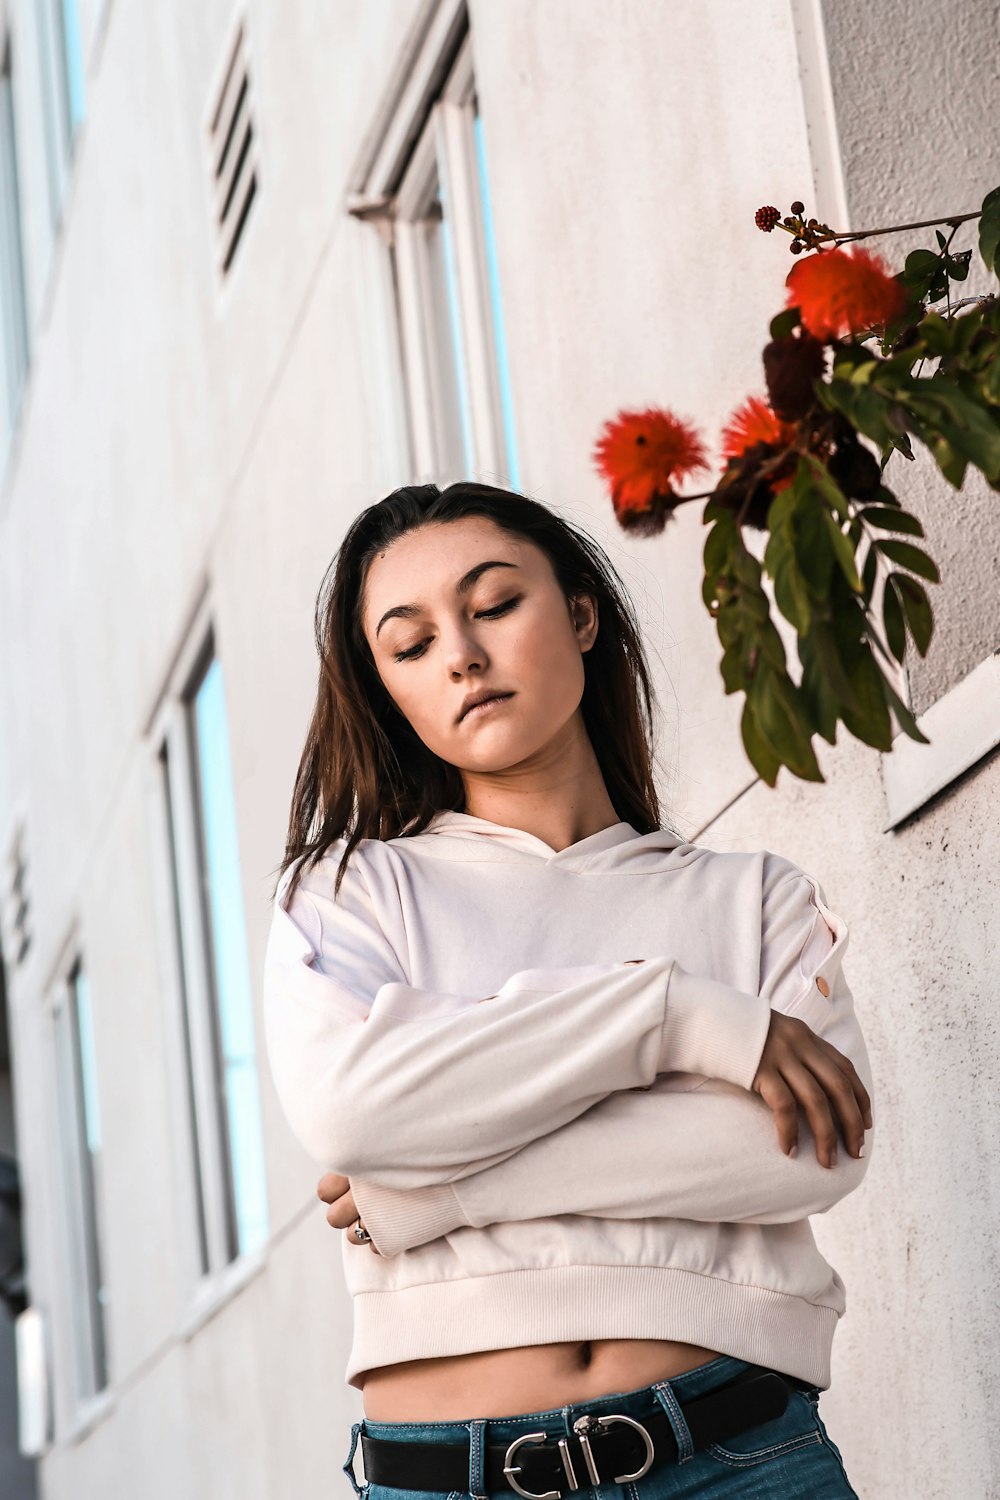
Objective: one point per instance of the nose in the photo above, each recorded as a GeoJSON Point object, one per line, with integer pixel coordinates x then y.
{"type": "Point", "coordinates": [464, 654]}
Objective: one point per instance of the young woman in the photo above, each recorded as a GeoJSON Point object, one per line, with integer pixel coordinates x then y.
{"type": "Point", "coordinates": [543, 1045]}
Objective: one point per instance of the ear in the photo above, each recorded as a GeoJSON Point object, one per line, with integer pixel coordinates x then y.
{"type": "Point", "coordinates": [584, 615]}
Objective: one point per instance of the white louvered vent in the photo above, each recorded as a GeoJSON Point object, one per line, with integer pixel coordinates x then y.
{"type": "Point", "coordinates": [17, 929]}
{"type": "Point", "coordinates": [234, 156]}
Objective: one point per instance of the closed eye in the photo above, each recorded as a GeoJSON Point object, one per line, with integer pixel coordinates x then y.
{"type": "Point", "coordinates": [483, 614]}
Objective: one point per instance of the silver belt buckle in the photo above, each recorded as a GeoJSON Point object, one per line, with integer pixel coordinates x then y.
{"type": "Point", "coordinates": [582, 1426]}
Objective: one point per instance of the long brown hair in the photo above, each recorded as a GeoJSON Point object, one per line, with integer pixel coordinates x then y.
{"type": "Point", "coordinates": [365, 773]}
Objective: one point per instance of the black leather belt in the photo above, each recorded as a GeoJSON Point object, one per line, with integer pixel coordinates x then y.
{"type": "Point", "coordinates": [606, 1448]}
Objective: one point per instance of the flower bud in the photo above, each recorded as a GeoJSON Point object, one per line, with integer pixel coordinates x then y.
{"type": "Point", "coordinates": [792, 365]}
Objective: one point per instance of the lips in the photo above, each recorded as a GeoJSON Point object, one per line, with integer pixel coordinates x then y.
{"type": "Point", "coordinates": [484, 703]}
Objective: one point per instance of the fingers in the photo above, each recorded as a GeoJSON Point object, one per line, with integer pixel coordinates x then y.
{"type": "Point", "coordinates": [825, 1095]}
{"type": "Point", "coordinates": [847, 1067]}
{"type": "Point", "coordinates": [815, 1103]}
{"type": "Point", "coordinates": [331, 1185]}
{"type": "Point", "coordinates": [783, 1105]}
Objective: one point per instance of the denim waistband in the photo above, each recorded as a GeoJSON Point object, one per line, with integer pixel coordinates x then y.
{"type": "Point", "coordinates": [558, 1420]}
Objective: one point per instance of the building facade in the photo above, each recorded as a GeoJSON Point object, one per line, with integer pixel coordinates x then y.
{"type": "Point", "coordinates": [259, 265]}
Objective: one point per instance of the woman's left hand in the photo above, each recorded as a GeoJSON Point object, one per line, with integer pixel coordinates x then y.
{"type": "Point", "coordinates": [343, 1211]}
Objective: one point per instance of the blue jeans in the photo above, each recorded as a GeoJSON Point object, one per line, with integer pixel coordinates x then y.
{"type": "Point", "coordinates": [791, 1457]}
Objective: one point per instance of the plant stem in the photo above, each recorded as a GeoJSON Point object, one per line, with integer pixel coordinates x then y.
{"type": "Point", "coordinates": [864, 234]}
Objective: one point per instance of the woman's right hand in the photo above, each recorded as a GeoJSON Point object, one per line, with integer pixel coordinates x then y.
{"type": "Point", "coordinates": [798, 1069]}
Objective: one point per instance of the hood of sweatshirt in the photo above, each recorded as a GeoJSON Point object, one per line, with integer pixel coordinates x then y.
{"type": "Point", "coordinates": [463, 836]}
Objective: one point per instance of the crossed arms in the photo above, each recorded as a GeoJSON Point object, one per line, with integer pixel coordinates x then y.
{"type": "Point", "coordinates": [561, 1095]}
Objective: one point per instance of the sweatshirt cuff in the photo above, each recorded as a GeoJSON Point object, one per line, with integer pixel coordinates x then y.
{"type": "Point", "coordinates": [399, 1218]}
{"type": "Point", "coordinates": [713, 1028]}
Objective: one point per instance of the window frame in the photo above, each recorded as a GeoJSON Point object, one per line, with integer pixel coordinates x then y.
{"type": "Point", "coordinates": [211, 1274]}
{"type": "Point", "coordinates": [428, 126]}
{"type": "Point", "coordinates": [62, 126]}
{"type": "Point", "coordinates": [83, 1402]}
{"type": "Point", "coordinates": [15, 329]}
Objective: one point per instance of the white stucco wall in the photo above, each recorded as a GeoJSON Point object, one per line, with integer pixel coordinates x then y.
{"type": "Point", "coordinates": [173, 440]}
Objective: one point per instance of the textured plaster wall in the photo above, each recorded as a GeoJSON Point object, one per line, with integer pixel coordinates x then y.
{"type": "Point", "coordinates": [915, 89]}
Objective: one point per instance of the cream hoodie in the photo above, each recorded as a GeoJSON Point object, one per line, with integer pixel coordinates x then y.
{"type": "Point", "coordinates": [581, 1156]}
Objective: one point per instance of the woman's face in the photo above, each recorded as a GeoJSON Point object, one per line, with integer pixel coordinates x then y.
{"type": "Point", "coordinates": [457, 607]}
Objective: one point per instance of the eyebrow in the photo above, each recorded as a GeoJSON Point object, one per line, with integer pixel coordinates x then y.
{"type": "Point", "coordinates": [464, 584]}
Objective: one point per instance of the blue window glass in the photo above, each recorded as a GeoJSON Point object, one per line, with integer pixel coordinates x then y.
{"type": "Point", "coordinates": [444, 273]}
{"type": "Point", "coordinates": [13, 310]}
{"type": "Point", "coordinates": [230, 962]}
{"type": "Point", "coordinates": [72, 53]}
{"type": "Point", "coordinates": [503, 367]}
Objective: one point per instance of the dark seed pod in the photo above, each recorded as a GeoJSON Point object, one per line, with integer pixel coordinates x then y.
{"type": "Point", "coordinates": [856, 470]}
{"type": "Point", "coordinates": [796, 247]}
{"type": "Point", "coordinates": [798, 208]}
{"type": "Point", "coordinates": [765, 218]}
{"type": "Point", "coordinates": [792, 365]}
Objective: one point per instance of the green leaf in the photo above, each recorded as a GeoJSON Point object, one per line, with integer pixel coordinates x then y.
{"type": "Point", "coordinates": [936, 333]}
{"type": "Point", "coordinates": [938, 409]}
{"type": "Point", "coordinates": [733, 669]}
{"type": "Point", "coordinates": [989, 229]}
{"type": "Point", "coordinates": [815, 693]}
{"type": "Point", "coordinates": [905, 719]}
{"type": "Point", "coordinates": [890, 519]}
{"type": "Point", "coordinates": [718, 546]}
{"type": "Point", "coordinates": [871, 724]}
{"type": "Point", "coordinates": [784, 322]}
{"type": "Point", "coordinates": [909, 556]}
{"type": "Point", "coordinates": [920, 264]}
{"type": "Point", "coordinates": [791, 594]}
{"type": "Point", "coordinates": [965, 327]}
{"type": "Point", "coordinates": [894, 621]}
{"type": "Point", "coordinates": [917, 608]}
{"type": "Point", "coordinates": [848, 356]}
{"type": "Point", "coordinates": [761, 755]}
{"type": "Point", "coordinates": [828, 656]}
{"type": "Point", "coordinates": [782, 726]}
{"type": "Point", "coordinates": [812, 545]}
{"type": "Point", "coordinates": [992, 383]}
{"type": "Point", "coordinates": [844, 553]}
{"type": "Point", "coordinates": [819, 475]}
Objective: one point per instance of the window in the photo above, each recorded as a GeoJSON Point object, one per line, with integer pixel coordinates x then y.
{"type": "Point", "coordinates": [80, 1183]}
{"type": "Point", "coordinates": [61, 55]}
{"type": "Point", "coordinates": [215, 1044]}
{"type": "Point", "coordinates": [425, 184]}
{"type": "Point", "coordinates": [13, 309]}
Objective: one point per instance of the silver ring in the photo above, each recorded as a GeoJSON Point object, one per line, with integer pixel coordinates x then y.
{"type": "Point", "coordinates": [360, 1233]}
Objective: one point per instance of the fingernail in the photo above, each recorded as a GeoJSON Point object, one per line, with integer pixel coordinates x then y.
{"type": "Point", "coordinates": [794, 1150]}
{"type": "Point", "coordinates": [833, 1157]}
{"type": "Point", "coordinates": [861, 1149]}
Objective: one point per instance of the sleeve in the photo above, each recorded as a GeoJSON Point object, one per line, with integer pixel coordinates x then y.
{"type": "Point", "coordinates": [707, 1154]}
{"type": "Point", "coordinates": [407, 1087]}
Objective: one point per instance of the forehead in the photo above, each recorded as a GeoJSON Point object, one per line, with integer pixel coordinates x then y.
{"type": "Point", "coordinates": [429, 561]}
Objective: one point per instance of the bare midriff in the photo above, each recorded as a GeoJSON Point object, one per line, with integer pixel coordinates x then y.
{"type": "Point", "coordinates": [507, 1382]}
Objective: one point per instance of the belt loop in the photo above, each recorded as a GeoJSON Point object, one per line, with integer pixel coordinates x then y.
{"type": "Point", "coordinates": [477, 1483]}
{"type": "Point", "coordinates": [664, 1393]}
{"type": "Point", "coordinates": [348, 1465]}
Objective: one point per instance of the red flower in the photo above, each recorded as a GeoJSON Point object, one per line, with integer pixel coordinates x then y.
{"type": "Point", "coordinates": [641, 454]}
{"type": "Point", "coordinates": [754, 422]}
{"type": "Point", "coordinates": [839, 293]}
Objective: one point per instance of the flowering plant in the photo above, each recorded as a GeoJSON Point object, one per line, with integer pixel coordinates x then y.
{"type": "Point", "coordinates": [846, 390]}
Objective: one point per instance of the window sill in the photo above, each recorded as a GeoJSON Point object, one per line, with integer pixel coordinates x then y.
{"type": "Point", "coordinates": [215, 1292]}
{"type": "Point", "coordinates": [963, 726]}
{"type": "Point", "coordinates": [88, 1415]}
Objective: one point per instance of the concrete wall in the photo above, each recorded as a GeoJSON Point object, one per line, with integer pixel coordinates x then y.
{"type": "Point", "coordinates": [173, 439]}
